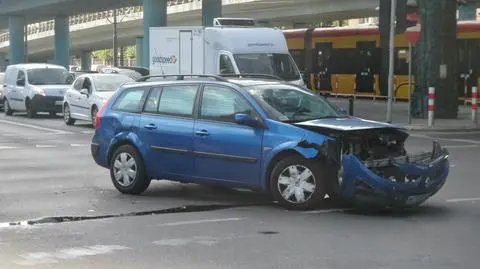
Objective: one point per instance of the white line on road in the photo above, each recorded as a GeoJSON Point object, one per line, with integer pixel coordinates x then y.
{"type": "Point", "coordinates": [45, 146]}
{"type": "Point", "coordinates": [35, 127]}
{"type": "Point", "coordinates": [7, 147]}
{"type": "Point", "coordinates": [199, 221]}
{"type": "Point", "coordinates": [88, 132]}
{"type": "Point", "coordinates": [459, 200]}
{"type": "Point", "coordinates": [460, 140]}
{"type": "Point", "coordinates": [78, 145]}
{"type": "Point", "coordinates": [460, 146]}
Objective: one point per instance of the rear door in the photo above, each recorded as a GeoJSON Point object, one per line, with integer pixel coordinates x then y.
{"type": "Point", "coordinates": [166, 129]}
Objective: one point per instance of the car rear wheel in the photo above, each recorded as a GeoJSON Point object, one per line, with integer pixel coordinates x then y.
{"type": "Point", "coordinates": [67, 115]}
{"type": "Point", "coordinates": [297, 183]}
{"type": "Point", "coordinates": [127, 171]}
{"type": "Point", "coordinates": [6, 106]}
{"type": "Point", "coordinates": [94, 116]}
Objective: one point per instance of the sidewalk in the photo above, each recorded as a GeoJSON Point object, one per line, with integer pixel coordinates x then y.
{"type": "Point", "coordinates": [377, 111]}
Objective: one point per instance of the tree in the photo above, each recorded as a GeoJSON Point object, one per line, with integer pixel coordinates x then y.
{"type": "Point", "coordinates": [436, 57]}
{"type": "Point", "coordinates": [130, 52]}
{"type": "Point", "coordinates": [105, 55]}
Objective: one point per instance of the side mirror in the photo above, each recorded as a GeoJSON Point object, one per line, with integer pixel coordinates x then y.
{"type": "Point", "coordinates": [245, 119]}
{"type": "Point", "coordinates": [84, 91]}
{"type": "Point", "coordinates": [21, 82]}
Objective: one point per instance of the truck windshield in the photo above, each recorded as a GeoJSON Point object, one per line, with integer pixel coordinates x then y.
{"type": "Point", "coordinates": [278, 64]}
{"type": "Point", "coordinates": [47, 76]}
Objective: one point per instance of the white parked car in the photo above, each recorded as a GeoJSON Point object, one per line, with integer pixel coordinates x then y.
{"type": "Point", "coordinates": [87, 95]}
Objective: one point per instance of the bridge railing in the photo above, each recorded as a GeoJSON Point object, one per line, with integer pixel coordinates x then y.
{"type": "Point", "coordinates": [45, 26]}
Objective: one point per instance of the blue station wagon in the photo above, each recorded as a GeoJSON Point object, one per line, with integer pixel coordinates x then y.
{"type": "Point", "coordinates": [262, 134]}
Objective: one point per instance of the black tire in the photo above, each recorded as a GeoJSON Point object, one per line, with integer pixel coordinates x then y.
{"type": "Point", "coordinates": [94, 116]}
{"type": "Point", "coordinates": [138, 184]}
{"type": "Point", "coordinates": [6, 108]}
{"type": "Point", "coordinates": [31, 113]}
{"type": "Point", "coordinates": [67, 116]}
{"type": "Point", "coordinates": [318, 180]}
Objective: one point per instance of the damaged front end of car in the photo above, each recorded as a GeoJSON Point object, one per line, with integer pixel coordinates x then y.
{"type": "Point", "coordinates": [372, 167]}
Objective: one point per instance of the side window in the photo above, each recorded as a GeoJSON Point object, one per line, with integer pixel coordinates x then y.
{"type": "Point", "coordinates": [131, 100]}
{"type": "Point", "coordinates": [153, 100]}
{"type": "Point", "coordinates": [221, 104]}
{"type": "Point", "coordinates": [87, 84]}
{"type": "Point", "coordinates": [226, 66]}
{"type": "Point", "coordinates": [78, 84]}
{"type": "Point", "coordinates": [178, 100]}
{"type": "Point", "coordinates": [20, 76]}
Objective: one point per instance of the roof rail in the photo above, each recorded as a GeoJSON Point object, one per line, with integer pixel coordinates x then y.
{"type": "Point", "coordinates": [252, 75]}
{"type": "Point", "coordinates": [181, 77]}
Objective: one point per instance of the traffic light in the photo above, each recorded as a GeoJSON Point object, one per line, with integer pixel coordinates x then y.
{"type": "Point", "coordinates": [406, 11]}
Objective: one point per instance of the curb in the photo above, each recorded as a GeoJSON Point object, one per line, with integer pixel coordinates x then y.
{"type": "Point", "coordinates": [461, 128]}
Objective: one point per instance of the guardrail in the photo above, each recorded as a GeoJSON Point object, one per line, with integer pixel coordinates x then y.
{"type": "Point", "coordinates": [45, 26]}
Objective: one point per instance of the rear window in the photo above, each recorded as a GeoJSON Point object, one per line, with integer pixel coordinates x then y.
{"type": "Point", "coordinates": [131, 100]}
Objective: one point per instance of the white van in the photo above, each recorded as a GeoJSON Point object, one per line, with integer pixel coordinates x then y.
{"type": "Point", "coordinates": [35, 88]}
{"type": "Point", "coordinates": [232, 46]}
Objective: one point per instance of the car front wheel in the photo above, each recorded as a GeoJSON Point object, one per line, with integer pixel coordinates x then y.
{"type": "Point", "coordinates": [127, 171]}
{"type": "Point", "coordinates": [297, 183]}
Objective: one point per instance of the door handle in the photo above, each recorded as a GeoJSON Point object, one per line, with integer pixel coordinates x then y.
{"type": "Point", "coordinates": [150, 126]}
{"type": "Point", "coordinates": [202, 133]}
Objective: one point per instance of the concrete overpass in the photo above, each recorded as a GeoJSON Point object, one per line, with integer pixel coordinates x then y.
{"type": "Point", "coordinates": [79, 34]}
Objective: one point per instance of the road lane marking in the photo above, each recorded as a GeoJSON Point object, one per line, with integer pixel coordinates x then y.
{"type": "Point", "coordinates": [460, 146]}
{"type": "Point", "coordinates": [88, 132]}
{"type": "Point", "coordinates": [7, 147]}
{"type": "Point", "coordinates": [35, 127]}
{"type": "Point", "coordinates": [38, 258]}
{"type": "Point", "coordinates": [459, 200]}
{"type": "Point", "coordinates": [468, 141]}
{"type": "Point", "coordinates": [198, 221]}
{"type": "Point", "coordinates": [45, 146]}
{"type": "Point", "coordinates": [78, 145]}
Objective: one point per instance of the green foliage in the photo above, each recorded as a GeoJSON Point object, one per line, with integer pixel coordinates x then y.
{"type": "Point", "coordinates": [130, 52]}
{"type": "Point", "coordinates": [104, 55]}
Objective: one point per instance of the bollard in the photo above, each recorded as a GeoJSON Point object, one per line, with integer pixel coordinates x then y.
{"type": "Point", "coordinates": [474, 104]}
{"type": "Point", "coordinates": [465, 88]}
{"type": "Point", "coordinates": [431, 106]}
{"type": "Point", "coordinates": [350, 105]}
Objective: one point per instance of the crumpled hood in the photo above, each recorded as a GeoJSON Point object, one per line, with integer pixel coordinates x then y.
{"type": "Point", "coordinates": [346, 124]}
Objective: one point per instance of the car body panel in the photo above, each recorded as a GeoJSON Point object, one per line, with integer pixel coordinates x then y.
{"type": "Point", "coordinates": [241, 156]}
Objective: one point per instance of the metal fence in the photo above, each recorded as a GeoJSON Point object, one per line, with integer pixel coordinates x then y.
{"type": "Point", "coordinates": [45, 26]}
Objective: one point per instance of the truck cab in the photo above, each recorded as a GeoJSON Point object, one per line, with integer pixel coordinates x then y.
{"type": "Point", "coordinates": [231, 46]}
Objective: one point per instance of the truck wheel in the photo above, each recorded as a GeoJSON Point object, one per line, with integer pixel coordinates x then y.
{"type": "Point", "coordinates": [127, 171]}
{"type": "Point", "coordinates": [297, 183]}
{"type": "Point", "coordinates": [6, 107]}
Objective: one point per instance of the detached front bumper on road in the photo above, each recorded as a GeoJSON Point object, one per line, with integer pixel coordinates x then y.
{"type": "Point", "coordinates": [394, 182]}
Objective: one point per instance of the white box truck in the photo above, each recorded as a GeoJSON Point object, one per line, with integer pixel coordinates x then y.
{"type": "Point", "coordinates": [231, 46]}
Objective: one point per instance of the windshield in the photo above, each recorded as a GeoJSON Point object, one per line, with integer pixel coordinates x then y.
{"type": "Point", "coordinates": [293, 104]}
{"type": "Point", "coordinates": [47, 76]}
{"type": "Point", "coordinates": [110, 83]}
{"type": "Point", "coordinates": [281, 65]}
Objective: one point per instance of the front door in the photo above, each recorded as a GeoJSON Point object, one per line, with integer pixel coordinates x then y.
{"type": "Point", "coordinates": [166, 128]}
{"type": "Point", "coordinates": [226, 151]}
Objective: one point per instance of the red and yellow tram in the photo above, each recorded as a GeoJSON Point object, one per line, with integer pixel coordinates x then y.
{"type": "Point", "coordinates": [346, 60]}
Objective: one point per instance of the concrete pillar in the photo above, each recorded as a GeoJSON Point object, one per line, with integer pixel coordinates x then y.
{"type": "Point", "coordinates": [16, 29]}
{"type": "Point", "coordinates": [139, 51]}
{"type": "Point", "coordinates": [154, 15]}
{"type": "Point", "coordinates": [467, 12]}
{"type": "Point", "coordinates": [62, 41]}
{"type": "Point", "coordinates": [86, 60]}
{"type": "Point", "coordinates": [211, 9]}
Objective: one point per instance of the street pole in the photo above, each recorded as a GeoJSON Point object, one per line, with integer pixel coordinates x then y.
{"type": "Point", "coordinates": [391, 59]}
{"type": "Point", "coordinates": [26, 42]}
{"type": "Point", "coordinates": [409, 82]}
{"type": "Point", "coordinates": [115, 39]}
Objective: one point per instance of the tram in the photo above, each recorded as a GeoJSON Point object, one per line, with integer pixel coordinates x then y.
{"type": "Point", "coordinates": [346, 60]}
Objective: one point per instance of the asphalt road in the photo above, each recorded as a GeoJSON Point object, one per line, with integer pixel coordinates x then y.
{"type": "Point", "coordinates": [46, 171]}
